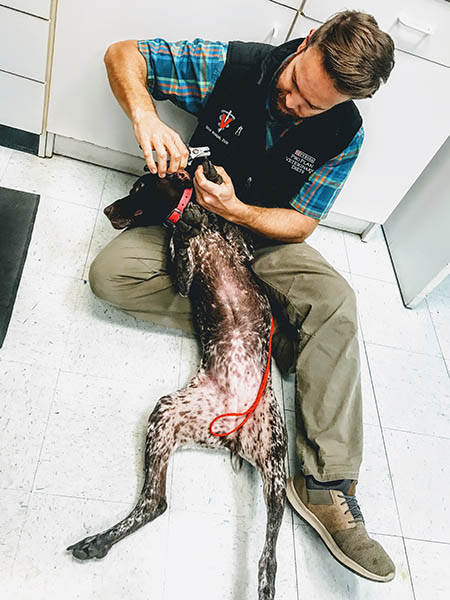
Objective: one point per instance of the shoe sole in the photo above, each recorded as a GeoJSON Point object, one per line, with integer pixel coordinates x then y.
{"type": "Point", "coordinates": [326, 537]}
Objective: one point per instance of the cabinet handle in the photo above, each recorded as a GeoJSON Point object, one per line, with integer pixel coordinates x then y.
{"type": "Point", "coordinates": [427, 31]}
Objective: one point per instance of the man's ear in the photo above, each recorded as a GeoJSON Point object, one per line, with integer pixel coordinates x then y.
{"type": "Point", "coordinates": [304, 44]}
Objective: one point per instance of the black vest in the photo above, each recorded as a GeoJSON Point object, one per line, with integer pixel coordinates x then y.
{"type": "Point", "coordinates": [233, 125]}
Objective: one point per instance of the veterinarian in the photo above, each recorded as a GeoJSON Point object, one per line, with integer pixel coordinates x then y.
{"type": "Point", "coordinates": [282, 124]}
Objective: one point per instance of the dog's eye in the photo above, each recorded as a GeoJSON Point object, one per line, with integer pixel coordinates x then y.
{"type": "Point", "coordinates": [138, 213]}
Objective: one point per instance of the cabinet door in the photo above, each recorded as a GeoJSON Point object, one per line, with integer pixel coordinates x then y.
{"type": "Point", "coordinates": [21, 102]}
{"type": "Point", "coordinates": [82, 105]}
{"type": "Point", "coordinates": [417, 26]}
{"type": "Point", "coordinates": [23, 44]}
{"type": "Point", "coordinates": [405, 123]}
{"type": "Point", "coordinates": [40, 8]}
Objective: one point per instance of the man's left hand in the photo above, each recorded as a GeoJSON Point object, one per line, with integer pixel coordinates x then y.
{"type": "Point", "coordinates": [219, 199]}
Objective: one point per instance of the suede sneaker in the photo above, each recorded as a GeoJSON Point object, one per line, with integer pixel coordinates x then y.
{"type": "Point", "coordinates": [333, 511]}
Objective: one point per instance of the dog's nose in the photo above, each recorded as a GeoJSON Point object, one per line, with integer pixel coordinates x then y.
{"type": "Point", "coordinates": [107, 210]}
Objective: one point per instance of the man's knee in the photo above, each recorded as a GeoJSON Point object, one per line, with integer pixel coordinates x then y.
{"type": "Point", "coordinates": [103, 279]}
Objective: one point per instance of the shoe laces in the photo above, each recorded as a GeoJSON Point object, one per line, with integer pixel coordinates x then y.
{"type": "Point", "coordinates": [353, 507]}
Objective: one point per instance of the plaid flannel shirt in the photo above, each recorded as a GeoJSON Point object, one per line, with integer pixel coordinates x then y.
{"type": "Point", "coordinates": [186, 72]}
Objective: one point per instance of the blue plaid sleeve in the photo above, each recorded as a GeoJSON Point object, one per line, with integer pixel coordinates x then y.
{"type": "Point", "coordinates": [183, 72]}
{"type": "Point", "coordinates": [317, 195]}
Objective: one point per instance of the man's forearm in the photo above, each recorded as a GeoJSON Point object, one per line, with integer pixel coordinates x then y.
{"type": "Point", "coordinates": [127, 74]}
{"type": "Point", "coordinates": [282, 224]}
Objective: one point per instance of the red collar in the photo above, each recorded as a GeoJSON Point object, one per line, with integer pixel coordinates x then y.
{"type": "Point", "coordinates": [177, 212]}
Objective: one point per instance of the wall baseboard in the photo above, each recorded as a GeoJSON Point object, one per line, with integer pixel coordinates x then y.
{"type": "Point", "coordinates": [17, 139]}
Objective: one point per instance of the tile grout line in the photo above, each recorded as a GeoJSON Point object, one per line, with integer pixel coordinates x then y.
{"type": "Point", "coordinates": [35, 471]}
{"type": "Point", "coordinates": [430, 435]}
{"type": "Point", "coordinates": [94, 227]}
{"type": "Point", "coordinates": [6, 167]}
{"type": "Point", "coordinates": [295, 555]}
{"type": "Point", "coordinates": [437, 336]}
{"type": "Point", "coordinates": [402, 349]}
{"type": "Point", "coordinates": [389, 467]}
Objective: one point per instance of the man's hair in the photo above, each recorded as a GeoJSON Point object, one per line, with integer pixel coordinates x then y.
{"type": "Point", "coordinates": [356, 54]}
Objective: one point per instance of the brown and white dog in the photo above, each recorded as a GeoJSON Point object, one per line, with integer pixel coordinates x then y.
{"type": "Point", "coordinates": [233, 319]}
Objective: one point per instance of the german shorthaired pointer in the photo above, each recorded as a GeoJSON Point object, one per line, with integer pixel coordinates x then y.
{"type": "Point", "coordinates": [233, 319]}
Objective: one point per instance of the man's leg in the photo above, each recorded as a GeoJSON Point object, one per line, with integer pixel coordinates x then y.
{"type": "Point", "coordinates": [316, 312]}
{"type": "Point", "coordinates": [131, 273]}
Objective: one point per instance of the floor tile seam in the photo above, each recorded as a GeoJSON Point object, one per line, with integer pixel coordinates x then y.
{"type": "Point", "coordinates": [6, 167]}
{"type": "Point", "coordinates": [89, 248]}
{"type": "Point", "coordinates": [383, 439]}
{"type": "Point", "coordinates": [294, 545]}
{"type": "Point", "coordinates": [368, 276]}
{"type": "Point", "coordinates": [35, 471]}
{"type": "Point", "coordinates": [137, 379]}
{"type": "Point", "coordinates": [347, 254]}
{"type": "Point", "coordinates": [441, 356]}
{"type": "Point", "coordinates": [415, 539]}
{"type": "Point", "coordinates": [393, 283]}
{"type": "Point", "coordinates": [409, 569]}
{"type": "Point", "coordinates": [56, 199]}
{"type": "Point", "coordinates": [436, 333]}
{"type": "Point", "coordinates": [123, 503]}
{"type": "Point", "coordinates": [430, 435]}
{"type": "Point", "coordinates": [212, 513]}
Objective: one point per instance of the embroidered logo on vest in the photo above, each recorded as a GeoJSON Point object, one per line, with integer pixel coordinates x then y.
{"type": "Point", "coordinates": [226, 117]}
{"type": "Point", "coordinates": [301, 162]}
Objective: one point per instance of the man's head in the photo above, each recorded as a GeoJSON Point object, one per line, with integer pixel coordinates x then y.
{"type": "Point", "coordinates": [348, 57]}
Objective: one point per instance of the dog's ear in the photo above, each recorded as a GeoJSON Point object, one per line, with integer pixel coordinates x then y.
{"type": "Point", "coordinates": [240, 240]}
{"type": "Point", "coordinates": [182, 264]}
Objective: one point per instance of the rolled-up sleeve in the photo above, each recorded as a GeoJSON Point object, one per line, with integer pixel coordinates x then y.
{"type": "Point", "coordinates": [317, 195]}
{"type": "Point", "coordinates": [184, 72]}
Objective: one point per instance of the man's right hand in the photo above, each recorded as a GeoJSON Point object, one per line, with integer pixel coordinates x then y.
{"type": "Point", "coordinates": [152, 134]}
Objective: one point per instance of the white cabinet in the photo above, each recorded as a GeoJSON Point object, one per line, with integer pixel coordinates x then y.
{"type": "Point", "coordinates": [39, 8]}
{"type": "Point", "coordinates": [23, 44]}
{"type": "Point", "coordinates": [21, 102]}
{"type": "Point", "coordinates": [405, 123]}
{"type": "Point", "coordinates": [420, 27]}
{"type": "Point", "coordinates": [24, 39]}
{"type": "Point", "coordinates": [82, 105]}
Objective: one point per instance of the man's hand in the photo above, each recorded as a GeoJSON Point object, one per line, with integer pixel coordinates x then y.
{"type": "Point", "coordinates": [152, 134]}
{"type": "Point", "coordinates": [219, 199]}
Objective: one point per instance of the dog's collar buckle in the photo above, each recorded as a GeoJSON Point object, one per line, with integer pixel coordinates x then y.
{"type": "Point", "coordinates": [177, 212]}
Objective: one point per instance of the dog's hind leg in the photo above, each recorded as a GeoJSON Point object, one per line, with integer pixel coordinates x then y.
{"type": "Point", "coordinates": [163, 434]}
{"type": "Point", "coordinates": [265, 445]}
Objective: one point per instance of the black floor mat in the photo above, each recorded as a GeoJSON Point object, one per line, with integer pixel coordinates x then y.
{"type": "Point", "coordinates": [17, 214]}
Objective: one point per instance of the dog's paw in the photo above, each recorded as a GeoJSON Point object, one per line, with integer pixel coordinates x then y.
{"type": "Point", "coordinates": [94, 546]}
{"type": "Point", "coordinates": [210, 172]}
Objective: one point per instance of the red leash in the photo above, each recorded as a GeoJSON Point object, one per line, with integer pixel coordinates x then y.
{"type": "Point", "coordinates": [249, 411]}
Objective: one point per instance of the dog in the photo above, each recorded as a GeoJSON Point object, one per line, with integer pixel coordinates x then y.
{"type": "Point", "coordinates": [211, 260]}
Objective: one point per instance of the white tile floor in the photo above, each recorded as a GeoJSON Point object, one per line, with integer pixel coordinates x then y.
{"type": "Point", "coordinates": [78, 380]}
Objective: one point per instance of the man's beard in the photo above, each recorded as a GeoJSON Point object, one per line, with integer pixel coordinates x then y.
{"type": "Point", "coordinates": [278, 106]}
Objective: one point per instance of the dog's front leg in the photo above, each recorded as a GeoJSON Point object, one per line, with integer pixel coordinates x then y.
{"type": "Point", "coordinates": [161, 439]}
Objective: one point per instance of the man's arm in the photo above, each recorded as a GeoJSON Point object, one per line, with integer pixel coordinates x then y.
{"type": "Point", "coordinates": [127, 74]}
{"type": "Point", "coordinates": [282, 224]}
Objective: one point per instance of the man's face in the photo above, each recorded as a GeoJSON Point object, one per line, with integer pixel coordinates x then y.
{"type": "Point", "coordinates": [304, 89]}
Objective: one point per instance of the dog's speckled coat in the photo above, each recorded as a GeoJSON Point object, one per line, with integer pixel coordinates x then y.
{"type": "Point", "coordinates": [233, 319]}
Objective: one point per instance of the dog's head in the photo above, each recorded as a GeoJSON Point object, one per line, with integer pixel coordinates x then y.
{"type": "Point", "coordinates": [150, 201]}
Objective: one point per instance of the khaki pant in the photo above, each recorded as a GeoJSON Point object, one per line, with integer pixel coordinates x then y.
{"type": "Point", "coordinates": [315, 310]}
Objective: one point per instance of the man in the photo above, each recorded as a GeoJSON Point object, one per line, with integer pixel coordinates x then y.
{"type": "Point", "coordinates": [282, 123]}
